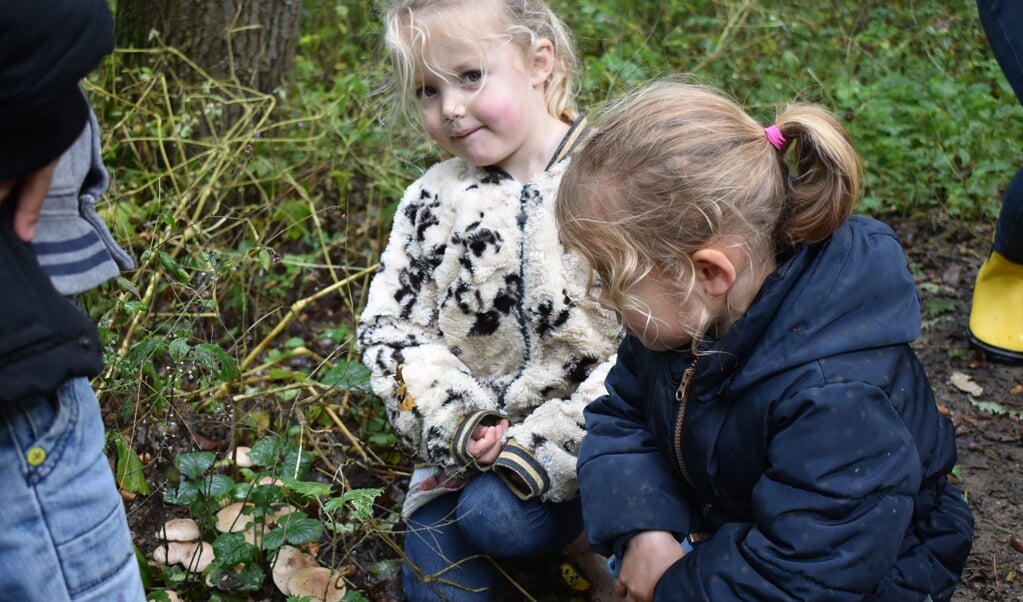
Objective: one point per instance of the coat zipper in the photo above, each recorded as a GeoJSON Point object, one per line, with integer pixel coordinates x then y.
{"type": "Point", "coordinates": [682, 397]}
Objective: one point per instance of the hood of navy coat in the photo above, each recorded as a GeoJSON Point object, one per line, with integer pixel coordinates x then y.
{"type": "Point", "coordinates": [849, 293]}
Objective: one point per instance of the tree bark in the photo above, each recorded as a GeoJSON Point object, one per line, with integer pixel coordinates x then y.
{"type": "Point", "coordinates": [251, 42]}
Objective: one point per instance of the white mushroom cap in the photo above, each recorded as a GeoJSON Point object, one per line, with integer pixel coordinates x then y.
{"type": "Point", "coordinates": [281, 510]}
{"type": "Point", "coordinates": [241, 457]}
{"type": "Point", "coordinates": [179, 529]}
{"type": "Point", "coordinates": [270, 480]}
{"type": "Point", "coordinates": [194, 556]}
{"type": "Point", "coordinates": [319, 582]}
{"type": "Point", "coordinates": [231, 518]}
{"type": "Point", "coordinates": [290, 559]}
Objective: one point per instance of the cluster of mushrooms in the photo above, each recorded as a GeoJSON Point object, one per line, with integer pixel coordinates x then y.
{"type": "Point", "coordinates": [295, 573]}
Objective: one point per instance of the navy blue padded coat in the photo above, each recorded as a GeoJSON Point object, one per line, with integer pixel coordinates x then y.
{"type": "Point", "coordinates": [803, 454]}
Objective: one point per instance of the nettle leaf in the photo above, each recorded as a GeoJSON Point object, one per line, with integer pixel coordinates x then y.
{"type": "Point", "coordinates": [361, 501]}
{"type": "Point", "coordinates": [350, 376]}
{"type": "Point", "coordinates": [247, 577]}
{"type": "Point", "coordinates": [217, 485]}
{"type": "Point", "coordinates": [265, 451]}
{"type": "Point", "coordinates": [215, 359]}
{"type": "Point", "coordinates": [307, 488]}
{"type": "Point", "coordinates": [273, 539]}
{"type": "Point", "coordinates": [231, 549]}
{"type": "Point", "coordinates": [193, 464]}
{"type": "Point", "coordinates": [296, 463]}
{"type": "Point", "coordinates": [184, 494]}
{"type": "Point", "coordinates": [178, 349]}
{"type": "Point", "coordinates": [299, 529]}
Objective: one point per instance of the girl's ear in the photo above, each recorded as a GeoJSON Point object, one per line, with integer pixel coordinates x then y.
{"type": "Point", "coordinates": [715, 272]}
{"type": "Point", "coordinates": [543, 61]}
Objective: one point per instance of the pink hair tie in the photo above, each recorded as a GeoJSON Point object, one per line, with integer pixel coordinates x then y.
{"type": "Point", "coordinates": [774, 136]}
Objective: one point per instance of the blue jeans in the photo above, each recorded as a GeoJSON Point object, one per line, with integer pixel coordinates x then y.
{"type": "Point", "coordinates": [1002, 21]}
{"type": "Point", "coordinates": [65, 536]}
{"type": "Point", "coordinates": [455, 539]}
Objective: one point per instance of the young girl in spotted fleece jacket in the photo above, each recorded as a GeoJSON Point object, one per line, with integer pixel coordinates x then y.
{"type": "Point", "coordinates": [479, 330]}
{"type": "Point", "coordinates": [768, 432]}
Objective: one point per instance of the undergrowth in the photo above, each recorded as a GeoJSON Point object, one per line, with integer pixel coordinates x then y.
{"type": "Point", "coordinates": [255, 238]}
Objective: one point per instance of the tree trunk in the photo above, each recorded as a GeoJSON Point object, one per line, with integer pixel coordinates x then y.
{"type": "Point", "coordinates": [251, 42]}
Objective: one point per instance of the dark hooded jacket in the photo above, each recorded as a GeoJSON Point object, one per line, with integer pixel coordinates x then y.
{"type": "Point", "coordinates": [803, 454]}
{"type": "Point", "coordinates": [46, 47]}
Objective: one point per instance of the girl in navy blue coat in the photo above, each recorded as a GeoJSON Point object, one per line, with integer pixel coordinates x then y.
{"type": "Point", "coordinates": [768, 432]}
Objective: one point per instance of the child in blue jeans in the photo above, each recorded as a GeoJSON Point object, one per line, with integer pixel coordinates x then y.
{"type": "Point", "coordinates": [482, 339]}
{"type": "Point", "coordinates": [766, 406]}
{"type": "Point", "coordinates": [65, 536]}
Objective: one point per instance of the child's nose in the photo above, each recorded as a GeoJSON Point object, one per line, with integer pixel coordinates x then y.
{"type": "Point", "coordinates": [454, 105]}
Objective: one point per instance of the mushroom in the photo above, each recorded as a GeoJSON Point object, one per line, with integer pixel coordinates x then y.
{"type": "Point", "coordinates": [281, 510]}
{"type": "Point", "coordinates": [232, 518]}
{"type": "Point", "coordinates": [253, 535]}
{"type": "Point", "coordinates": [194, 556]}
{"type": "Point", "coordinates": [290, 559]}
{"type": "Point", "coordinates": [179, 529]}
{"type": "Point", "coordinates": [241, 457]}
{"type": "Point", "coordinates": [320, 583]}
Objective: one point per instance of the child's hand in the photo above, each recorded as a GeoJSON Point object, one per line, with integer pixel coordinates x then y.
{"type": "Point", "coordinates": [485, 444]}
{"type": "Point", "coordinates": [32, 190]}
{"type": "Point", "coordinates": [646, 559]}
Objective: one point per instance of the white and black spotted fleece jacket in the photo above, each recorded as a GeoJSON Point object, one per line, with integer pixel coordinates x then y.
{"type": "Point", "coordinates": [477, 311]}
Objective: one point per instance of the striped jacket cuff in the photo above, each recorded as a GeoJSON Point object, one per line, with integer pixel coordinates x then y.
{"type": "Point", "coordinates": [521, 471]}
{"type": "Point", "coordinates": [462, 436]}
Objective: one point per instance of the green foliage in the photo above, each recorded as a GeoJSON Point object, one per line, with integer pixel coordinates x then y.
{"type": "Point", "coordinates": [271, 493]}
{"type": "Point", "coordinates": [258, 219]}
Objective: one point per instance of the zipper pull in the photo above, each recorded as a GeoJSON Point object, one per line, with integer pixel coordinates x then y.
{"type": "Point", "coordinates": [683, 386]}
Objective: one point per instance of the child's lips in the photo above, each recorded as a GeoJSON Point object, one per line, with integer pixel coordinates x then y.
{"type": "Point", "coordinates": [464, 133]}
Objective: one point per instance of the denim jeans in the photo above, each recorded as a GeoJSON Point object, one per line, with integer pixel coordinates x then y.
{"type": "Point", "coordinates": [487, 522]}
{"type": "Point", "coordinates": [1002, 21]}
{"type": "Point", "coordinates": [64, 531]}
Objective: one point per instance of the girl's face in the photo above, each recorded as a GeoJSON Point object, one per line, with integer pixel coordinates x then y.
{"type": "Point", "coordinates": [668, 320]}
{"type": "Point", "coordinates": [488, 105]}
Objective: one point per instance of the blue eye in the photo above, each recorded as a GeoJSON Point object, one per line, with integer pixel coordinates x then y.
{"type": "Point", "coordinates": [472, 77]}
{"type": "Point", "coordinates": [426, 92]}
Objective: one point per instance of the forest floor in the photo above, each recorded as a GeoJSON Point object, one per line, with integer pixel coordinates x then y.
{"type": "Point", "coordinates": [984, 399]}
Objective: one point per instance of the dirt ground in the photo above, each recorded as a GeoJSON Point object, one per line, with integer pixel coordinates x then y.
{"type": "Point", "coordinates": [984, 400]}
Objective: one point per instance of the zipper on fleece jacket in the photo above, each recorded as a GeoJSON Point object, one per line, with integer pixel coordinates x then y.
{"type": "Point", "coordinates": [682, 397]}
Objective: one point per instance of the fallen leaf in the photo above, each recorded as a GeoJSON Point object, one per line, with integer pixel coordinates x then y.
{"type": "Point", "coordinates": [964, 383]}
{"type": "Point", "coordinates": [1016, 390]}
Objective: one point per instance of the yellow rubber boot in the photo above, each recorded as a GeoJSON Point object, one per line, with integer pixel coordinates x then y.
{"type": "Point", "coordinates": [996, 319]}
